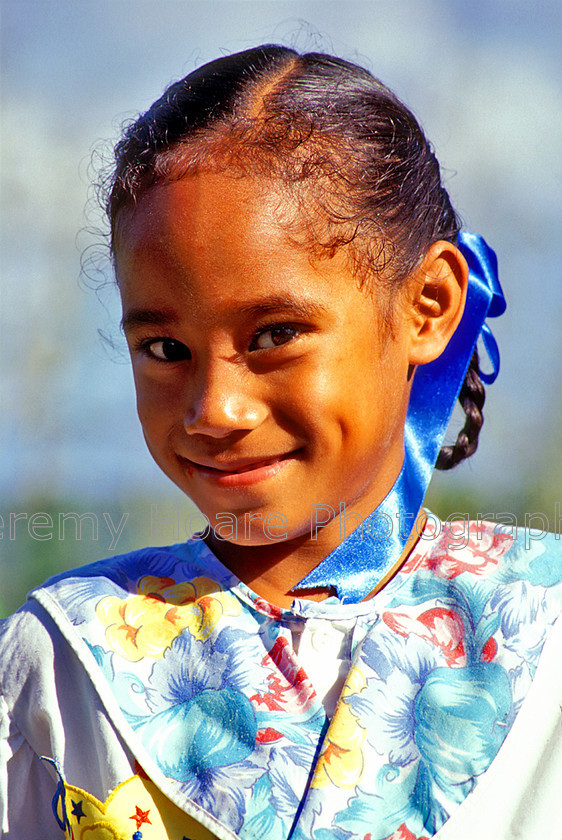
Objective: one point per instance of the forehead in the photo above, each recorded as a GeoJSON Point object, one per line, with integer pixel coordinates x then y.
{"type": "Point", "coordinates": [206, 212]}
{"type": "Point", "coordinates": [212, 242]}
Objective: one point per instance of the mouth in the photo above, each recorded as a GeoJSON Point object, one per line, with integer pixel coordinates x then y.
{"type": "Point", "coordinates": [239, 473]}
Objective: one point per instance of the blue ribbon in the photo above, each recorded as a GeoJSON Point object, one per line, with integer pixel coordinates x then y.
{"type": "Point", "coordinates": [58, 803]}
{"type": "Point", "coordinates": [356, 566]}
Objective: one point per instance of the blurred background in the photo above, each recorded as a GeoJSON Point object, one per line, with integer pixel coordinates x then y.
{"type": "Point", "coordinates": [485, 81]}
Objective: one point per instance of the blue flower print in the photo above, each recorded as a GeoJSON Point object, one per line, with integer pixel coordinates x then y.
{"type": "Point", "coordinates": [203, 727]}
{"type": "Point", "coordinates": [461, 718]}
{"type": "Point", "coordinates": [400, 666]}
{"type": "Point", "coordinates": [216, 728]}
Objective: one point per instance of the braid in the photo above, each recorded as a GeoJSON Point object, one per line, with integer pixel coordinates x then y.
{"type": "Point", "coordinates": [472, 396]}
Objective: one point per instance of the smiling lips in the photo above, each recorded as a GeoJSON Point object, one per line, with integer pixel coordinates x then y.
{"type": "Point", "coordinates": [242, 474]}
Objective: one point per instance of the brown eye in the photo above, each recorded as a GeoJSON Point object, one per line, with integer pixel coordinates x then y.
{"type": "Point", "coordinates": [274, 337]}
{"type": "Point", "coordinates": [169, 350]}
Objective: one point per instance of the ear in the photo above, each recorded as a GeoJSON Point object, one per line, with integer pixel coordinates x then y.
{"type": "Point", "coordinates": [437, 298]}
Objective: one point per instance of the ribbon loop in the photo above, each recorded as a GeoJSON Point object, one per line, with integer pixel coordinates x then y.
{"type": "Point", "coordinates": [493, 353]}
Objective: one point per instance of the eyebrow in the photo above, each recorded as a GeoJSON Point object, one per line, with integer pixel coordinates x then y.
{"type": "Point", "coordinates": [300, 306]}
{"type": "Point", "coordinates": [143, 317]}
{"type": "Point", "coordinates": [165, 317]}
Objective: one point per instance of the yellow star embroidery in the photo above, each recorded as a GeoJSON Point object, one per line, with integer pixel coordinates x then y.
{"type": "Point", "coordinates": [111, 820]}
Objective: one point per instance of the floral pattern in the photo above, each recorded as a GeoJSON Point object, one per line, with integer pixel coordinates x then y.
{"type": "Point", "coordinates": [342, 761]}
{"type": "Point", "coordinates": [216, 702]}
{"type": "Point", "coordinates": [147, 624]}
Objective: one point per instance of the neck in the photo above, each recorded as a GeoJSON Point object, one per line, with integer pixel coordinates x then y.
{"type": "Point", "coordinates": [273, 570]}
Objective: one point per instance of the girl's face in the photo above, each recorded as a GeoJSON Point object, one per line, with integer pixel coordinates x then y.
{"type": "Point", "coordinates": [266, 383]}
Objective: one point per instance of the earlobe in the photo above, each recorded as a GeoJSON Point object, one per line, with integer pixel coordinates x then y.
{"type": "Point", "coordinates": [439, 294]}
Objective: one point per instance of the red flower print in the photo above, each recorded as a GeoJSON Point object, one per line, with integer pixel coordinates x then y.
{"type": "Point", "coordinates": [288, 685]}
{"type": "Point", "coordinates": [271, 610]}
{"type": "Point", "coordinates": [268, 736]}
{"type": "Point", "coordinates": [442, 627]}
{"type": "Point", "coordinates": [489, 650]}
{"type": "Point", "coordinates": [480, 555]}
{"type": "Point", "coordinates": [404, 833]}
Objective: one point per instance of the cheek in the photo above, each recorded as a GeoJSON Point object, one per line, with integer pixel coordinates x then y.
{"type": "Point", "coordinates": [328, 402]}
{"type": "Point", "coordinates": [306, 398]}
{"type": "Point", "coordinates": [156, 404]}
{"type": "Point", "coordinates": [368, 397]}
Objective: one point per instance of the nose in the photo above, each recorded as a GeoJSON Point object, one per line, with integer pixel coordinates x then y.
{"type": "Point", "coordinates": [222, 400]}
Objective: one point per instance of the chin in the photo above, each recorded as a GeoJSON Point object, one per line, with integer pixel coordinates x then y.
{"type": "Point", "coordinates": [248, 530]}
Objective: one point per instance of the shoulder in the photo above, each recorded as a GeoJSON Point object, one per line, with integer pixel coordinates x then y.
{"type": "Point", "coordinates": [121, 568]}
{"type": "Point", "coordinates": [32, 645]}
{"type": "Point", "coordinates": [518, 553]}
{"type": "Point", "coordinates": [488, 549]}
{"type": "Point", "coordinates": [122, 573]}
{"type": "Point", "coordinates": [36, 642]}
{"type": "Point", "coordinates": [178, 574]}
{"type": "Point", "coordinates": [27, 641]}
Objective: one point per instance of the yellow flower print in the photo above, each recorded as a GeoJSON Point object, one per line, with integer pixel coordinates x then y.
{"type": "Point", "coordinates": [146, 624]}
{"type": "Point", "coordinates": [176, 593]}
{"type": "Point", "coordinates": [342, 762]}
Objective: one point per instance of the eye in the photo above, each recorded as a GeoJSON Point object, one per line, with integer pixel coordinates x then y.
{"type": "Point", "coordinates": [167, 350]}
{"type": "Point", "coordinates": [274, 336]}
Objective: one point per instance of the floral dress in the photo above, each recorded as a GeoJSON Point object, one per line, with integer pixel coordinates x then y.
{"type": "Point", "coordinates": [223, 733]}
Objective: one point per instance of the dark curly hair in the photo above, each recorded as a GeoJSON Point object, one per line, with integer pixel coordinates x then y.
{"type": "Point", "coordinates": [340, 142]}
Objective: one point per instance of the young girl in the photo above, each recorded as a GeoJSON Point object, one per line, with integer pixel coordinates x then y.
{"type": "Point", "coordinates": [325, 660]}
